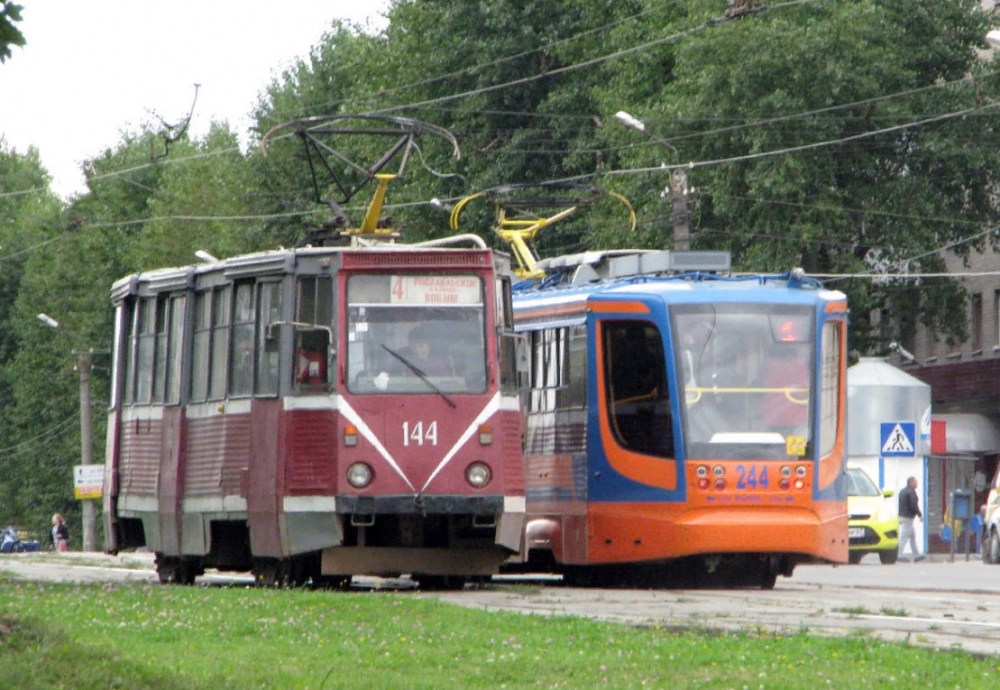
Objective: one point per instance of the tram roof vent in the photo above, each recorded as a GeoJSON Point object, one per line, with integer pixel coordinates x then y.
{"type": "Point", "coordinates": [669, 262]}
{"type": "Point", "coordinates": [619, 263]}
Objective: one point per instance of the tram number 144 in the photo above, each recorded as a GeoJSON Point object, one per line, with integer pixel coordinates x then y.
{"type": "Point", "coordinates": [751, 477]}
{"type": "Point", "coordinates": [419, 434]}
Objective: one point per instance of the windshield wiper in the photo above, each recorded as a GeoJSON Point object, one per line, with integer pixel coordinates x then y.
{"type": "Point", "coordinates": [419, 372]}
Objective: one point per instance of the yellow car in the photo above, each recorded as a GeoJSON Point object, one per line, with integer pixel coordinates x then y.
{"type": "Point", "coordinates": [873, 521]}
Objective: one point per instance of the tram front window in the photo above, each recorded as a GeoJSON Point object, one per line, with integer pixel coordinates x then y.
{"type": "Point", "coordinates": [745, 373]}
{"type": "Point", "coordinates": [416, 334]}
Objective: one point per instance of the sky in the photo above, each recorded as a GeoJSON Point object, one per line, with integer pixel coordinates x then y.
{"type": "Point", "coordinates": [90, 71]}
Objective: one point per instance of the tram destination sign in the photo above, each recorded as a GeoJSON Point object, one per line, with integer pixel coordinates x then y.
{"type": "Point", "coordinates": [436, 290]}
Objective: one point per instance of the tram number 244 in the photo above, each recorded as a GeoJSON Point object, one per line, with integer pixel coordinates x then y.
{"type": "Point", "coordinates": [751, 477]}
{"type": "Point", "coordinates": [420, 434]}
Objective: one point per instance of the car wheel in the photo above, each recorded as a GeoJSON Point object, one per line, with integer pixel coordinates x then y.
{"type": "Point", "coordinates": [888, 557]}
{"type": "Point", "coordinates": [994, 548]}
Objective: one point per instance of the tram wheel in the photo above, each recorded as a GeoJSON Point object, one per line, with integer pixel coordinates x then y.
{"type": "Point", "coordinates": [177, 571]}
{"type": "Point", "coordinates": [770, 568]}
{"type": "Point", "coordinates": [440, 583]}
{"type": "Point", "coordinates": [854, 557]}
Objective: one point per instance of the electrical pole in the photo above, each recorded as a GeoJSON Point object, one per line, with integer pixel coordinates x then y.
{"type": "Point", "coordinates": [682, 233]}
{"type": "Point", "coordinates": [83, 365]}
{"type": "Point", "coordinates": [678, 189]}
{"type": "Point", "coordinates": [83, 361]}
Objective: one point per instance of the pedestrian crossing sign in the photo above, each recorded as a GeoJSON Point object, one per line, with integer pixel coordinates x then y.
{"type": "Point", "coordinates": [898, 439]}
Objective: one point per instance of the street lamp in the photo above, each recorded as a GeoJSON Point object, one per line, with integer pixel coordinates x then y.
{"type": "Point", "coordinates": [83, 365]}
{"type": "Point", "coordinates": [678, 184]}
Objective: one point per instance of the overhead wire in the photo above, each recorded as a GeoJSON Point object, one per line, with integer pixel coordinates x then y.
{"type": "Point", "coordinates": [664, 167]}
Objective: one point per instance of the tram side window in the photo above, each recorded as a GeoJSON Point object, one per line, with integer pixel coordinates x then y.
{"type": "Point", "coordinates": [175, 348]}
{"type": "Point", "coordinates": [575, 393]}
{"type": "Point", "coordinates": [201, 353]}
{"type": "Point", "coordinates": [830, 386]}
{"type": "Point", "coordinates": [130, 312]}
{"type": "Point", "coordinates": [312, 345]}
{"type": "Point", "coordinates": [146, 335]}
{"type": "Point", "coordinates": [241, 372]}
{"type": "Point", "coordinates": [267, 340]}
{"type": "Point", "coordinates": [507, 345]}
{"type": "Point", "coordinates": [219, 363]}
{"type": "Point", "coordinates": [209, 355]}
{"type": "Point", "coordinates": [167, 355]}
{"type": "Point", "coordinates": [548, 367]}
{"type": "Point", "coordinates": [637, 400]}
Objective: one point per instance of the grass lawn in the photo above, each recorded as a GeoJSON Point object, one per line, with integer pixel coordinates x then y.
{"type": "Point", "coordinates": [143, 636]}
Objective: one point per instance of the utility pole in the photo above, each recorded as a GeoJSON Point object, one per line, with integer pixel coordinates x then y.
{"type": "Point", "coordinates": [84, 359]}
{"type": "Point", "coordinates": [83, 363]}
{"type": "Point", "coordinates": [678, 189]}
{"type": "Point", "coordinates": [682, 232]}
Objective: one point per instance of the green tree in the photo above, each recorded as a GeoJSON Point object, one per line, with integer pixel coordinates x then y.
{"type": "Point", "coordinates": [10, 35]}
{"type": "Point", "coordinates": [809, 111]}
{"type": "Point", "coordinates": [29, 223]}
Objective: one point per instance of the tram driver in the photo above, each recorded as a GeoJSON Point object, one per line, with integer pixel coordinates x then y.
{"type": "Point", "coordinates": [430, 360]}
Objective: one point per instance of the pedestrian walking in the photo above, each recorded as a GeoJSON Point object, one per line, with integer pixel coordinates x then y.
{"type": "Point", "coordinates": [909, 512]}
{"type": "Point", "coordinates": [59, 536]}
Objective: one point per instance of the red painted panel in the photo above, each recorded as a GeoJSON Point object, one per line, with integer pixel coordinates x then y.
{"type": "Point", "coordinates": [939, 437]}
{"type": "Point", "coordinates": [169, 491]}
{"type": "Point", "coordinates": [310, 447]}
{"type": "Point", "coordinates": [265, 479]}
{"type": "Point", "coordinates": [417, 434]}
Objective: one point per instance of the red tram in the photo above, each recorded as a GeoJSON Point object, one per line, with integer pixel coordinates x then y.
{"type": "Point", "coordinates": [271, 412]}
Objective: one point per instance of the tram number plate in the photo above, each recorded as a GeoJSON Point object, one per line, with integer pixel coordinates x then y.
{"type": "Point", "coordinates": [752, 477]}
{"type": "Point", "coordinates": [855, 532]}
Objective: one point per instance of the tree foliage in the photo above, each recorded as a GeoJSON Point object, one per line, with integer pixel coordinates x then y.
{"type": "Point", "coordinates": [10, 35]}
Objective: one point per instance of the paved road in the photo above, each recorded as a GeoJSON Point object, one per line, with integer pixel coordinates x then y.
{"type": "Point", "coordinates": [935, 603]}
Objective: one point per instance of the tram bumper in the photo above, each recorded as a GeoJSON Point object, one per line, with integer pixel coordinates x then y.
{"type": "Point", "coordinates": [438, 534]}
{"type": "Point", "coordinates": [647, 532]}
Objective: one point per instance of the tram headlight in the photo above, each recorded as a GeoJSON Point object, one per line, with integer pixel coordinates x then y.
{"type": "Point", "coordinates": [359, 475]}
{"type": "Point", "coordinates": [478, 474]}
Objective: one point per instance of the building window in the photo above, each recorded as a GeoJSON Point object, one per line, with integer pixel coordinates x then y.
{"type": "Point", "coordinates": [996, 315]}
{"type": "Point", "coordinates": [976, 322]}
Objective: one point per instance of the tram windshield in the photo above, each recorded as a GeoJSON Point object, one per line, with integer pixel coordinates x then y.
{"type": "Point", "coordinates": [416, 334]}
{"type": "Point", "coordinates": [745, 373]}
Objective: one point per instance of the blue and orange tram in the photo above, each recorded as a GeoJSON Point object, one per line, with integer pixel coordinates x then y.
{"type": "Point", "coordinates": [681, 425]}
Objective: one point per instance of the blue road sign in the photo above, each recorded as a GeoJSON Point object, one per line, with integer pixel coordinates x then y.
{"type": "Point", "coordinates": [898, 439]}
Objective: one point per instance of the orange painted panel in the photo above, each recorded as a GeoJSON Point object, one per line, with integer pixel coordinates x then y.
{"type": "Point", "coordinates": [651, 531]}
{"type": "Point", "coordinates": [618, 307]}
